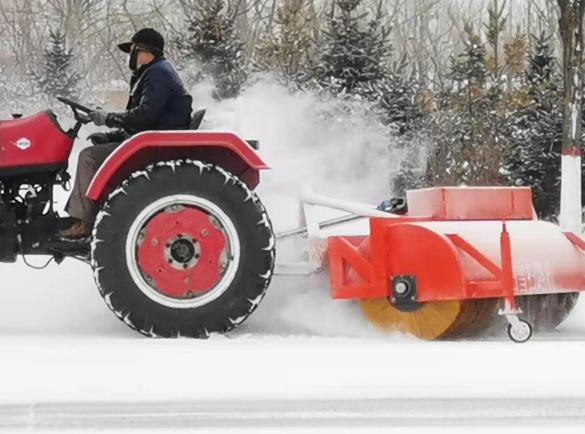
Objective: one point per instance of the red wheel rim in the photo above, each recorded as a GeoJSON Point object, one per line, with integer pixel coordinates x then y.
{"type": "Point", "coordinates": [182, 252]}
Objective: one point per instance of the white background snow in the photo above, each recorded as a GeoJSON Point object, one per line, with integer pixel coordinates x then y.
{"type": "Point", "coordinates": [59, 344]}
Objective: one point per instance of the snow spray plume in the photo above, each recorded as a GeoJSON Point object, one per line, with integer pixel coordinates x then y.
{"type": "Point", "coordinates": [342, 150]}
{"type": "Point", "coordinates": [337, 147]}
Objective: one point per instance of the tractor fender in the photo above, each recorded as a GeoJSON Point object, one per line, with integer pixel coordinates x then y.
{"type": "Point", "coordinates": [225, 150]}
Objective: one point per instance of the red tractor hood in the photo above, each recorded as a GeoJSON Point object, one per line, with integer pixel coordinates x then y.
{"type": "Point", "coordinates": [36, 140]}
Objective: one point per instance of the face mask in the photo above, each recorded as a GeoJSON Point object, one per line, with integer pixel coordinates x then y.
{"type": "Point", "coordinates": [133, 63]}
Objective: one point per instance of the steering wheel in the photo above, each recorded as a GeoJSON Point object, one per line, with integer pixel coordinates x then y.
{"type": "Point", "coordinates": [76, 108]}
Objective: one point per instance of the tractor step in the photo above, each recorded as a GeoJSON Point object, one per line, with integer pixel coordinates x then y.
{"type": "Point", "coordinates": [40, 237]}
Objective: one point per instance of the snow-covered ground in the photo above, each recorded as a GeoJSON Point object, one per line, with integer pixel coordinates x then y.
{"type": "Point", "coordinates": [301, 362]}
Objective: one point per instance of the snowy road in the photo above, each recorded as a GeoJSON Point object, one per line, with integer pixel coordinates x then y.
{"type": "Point", "coordinates": [301, 361]}
{"type": "Point", "coordinates": [343, 414]}
{"type": "Point", "coordinates": [126, 382]}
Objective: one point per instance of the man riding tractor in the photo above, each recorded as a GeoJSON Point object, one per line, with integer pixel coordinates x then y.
{"type": "Point", "coordinates": [158, 101]}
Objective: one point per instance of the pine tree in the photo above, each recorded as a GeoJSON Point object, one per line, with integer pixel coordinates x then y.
{"type": "Point", "coordinates": [351, 52]}
{"type": "Point", "coordinates": [59, 77]}
{"type": "Point", "coordinates": [538, 132]}
{"type": "Point", "coordinates": [468, 70]}
{"type": "Point", "coordinates": [214, 41]}
{"type": "Point", "coordinates": [494, 29]}
{"type": "Point", "coordinates": [467, 151]}
{"type": "Point", "coordinates": [289, 43]}
{"type": "Point", "coordinates": [515, 51]}
{"type": "Point", "coordinates": [542, 64]}
{"type": "Point", "coordinates": [353, 59]}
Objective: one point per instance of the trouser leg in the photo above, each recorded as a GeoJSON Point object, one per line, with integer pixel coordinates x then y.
{"type": "Point", "coordinates": [90, 160]}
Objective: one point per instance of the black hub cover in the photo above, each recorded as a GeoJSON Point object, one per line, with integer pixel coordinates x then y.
{"type": "Point", "coordinates": [182, 251]}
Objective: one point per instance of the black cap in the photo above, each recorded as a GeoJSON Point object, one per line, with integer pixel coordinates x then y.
{"type": "Point", "coordinates": [146, 39]}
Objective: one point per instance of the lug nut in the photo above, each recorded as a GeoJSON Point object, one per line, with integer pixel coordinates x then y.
{"type": "Point", "coordinates": [188, 281]}
{"type": "Point", "coordinates": [204, 232]}
{"type": "Point", "coordinates": [154, 242]}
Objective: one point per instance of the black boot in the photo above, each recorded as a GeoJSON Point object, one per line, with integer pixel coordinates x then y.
{"type": "Point", "coordinates": [78, 231]}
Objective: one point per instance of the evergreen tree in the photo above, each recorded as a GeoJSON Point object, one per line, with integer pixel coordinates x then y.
{"type": "Point", "coordinates": [289, 43]}
{"type": "Point", "coordinates": [352, 51]}
{"type": "Point", "coordinates": [515, 51]}
{"type": "Point", "coordinates": [214, 41]}
{"type": "Point", "coordinates": [59, 77]}
{"type": "Point", "coordinates": [537, 133]}
{"type": "Point", "coordinates": [469, 73]}
{"type": "Point", "coordinates": [353, 59]}
{"type": "Point", "coordinates": [494, 29]}
{"type": "Point", "coordinates": [466, 150]}
{"type": "Point", "coordinates": [542, 64]}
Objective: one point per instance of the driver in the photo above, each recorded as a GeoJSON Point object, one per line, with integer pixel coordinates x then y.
{"type": "Point", "coordinates": [158, 101]}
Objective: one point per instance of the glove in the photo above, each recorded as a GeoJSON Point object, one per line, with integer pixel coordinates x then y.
{"type": "Point", "coordinates": [394, 206]}
{"type": "Point", "coordinates": [98, 117]}
{"type": "Point", "coordinates": [98, 139]}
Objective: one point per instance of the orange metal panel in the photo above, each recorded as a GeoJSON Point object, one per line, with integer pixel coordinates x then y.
{"type": "Point", "coordinates": [476, 254]}
{"type": "Point", "coordinates": [576, 240]}
{"type": "Point", "coordinates": [507, 270]}
{"type": "Point", "coordinates": [352, 274]}
{"type": "Point", "coordinates": [471, 203]}
{"type": "Point", "coordinates": [459, 260]}
{"type": "Point", "coordinates": [430, 256]}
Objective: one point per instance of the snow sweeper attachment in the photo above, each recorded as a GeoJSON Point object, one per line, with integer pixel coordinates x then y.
{"type": "Point", "coordinates": [461, 261]}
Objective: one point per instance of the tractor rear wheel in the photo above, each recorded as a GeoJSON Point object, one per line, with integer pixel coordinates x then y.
{"type": "Point", "coordinates": [183, 248]}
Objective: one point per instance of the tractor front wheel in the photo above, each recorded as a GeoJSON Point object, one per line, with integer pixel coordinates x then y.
{"type": "Point", "coordinates": [183, 248]}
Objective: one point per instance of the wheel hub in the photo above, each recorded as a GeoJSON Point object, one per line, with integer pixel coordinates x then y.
{"type": "Point", "coordinates": [182, 252]}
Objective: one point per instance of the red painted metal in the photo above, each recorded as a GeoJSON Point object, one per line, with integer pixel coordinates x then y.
{"type": "Point", "coordinates": [575, 152]}
{"type": "Point", "coordinates": [473, 203]}
{"type": "Point", "coordinates": [342, 253]}
{"type": "Point", "coordinates": [166, 226]}
{"type": "Point", "coordinates": [456, 259]}
{"type": "Point", "coordinates": [224, 149]}
{"type": "Point", "coordinates": [48, 144]}
{"type": "Point", "coordinates": [576, 240]}
{"type": "Point", "coordinates": [476, 254]}
{"type": "Point", "coordinates": [507, 276]}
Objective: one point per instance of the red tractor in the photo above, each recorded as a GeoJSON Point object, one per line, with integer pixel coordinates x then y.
{"type": "Point", "coordinates": [182, 245]}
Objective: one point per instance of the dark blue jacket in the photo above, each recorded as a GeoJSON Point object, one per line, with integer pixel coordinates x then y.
{"type": "Point", "coordinates": [158, 101]}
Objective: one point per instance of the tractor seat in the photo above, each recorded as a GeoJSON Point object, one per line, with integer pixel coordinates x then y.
{"type": "Point", "coordinates": [255, 144]}
{"type": "Point", "coordinates": [197, 119]}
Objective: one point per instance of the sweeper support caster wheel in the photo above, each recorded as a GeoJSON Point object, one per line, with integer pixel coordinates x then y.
{"type": "Point", "coordinates": [519, 331]}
